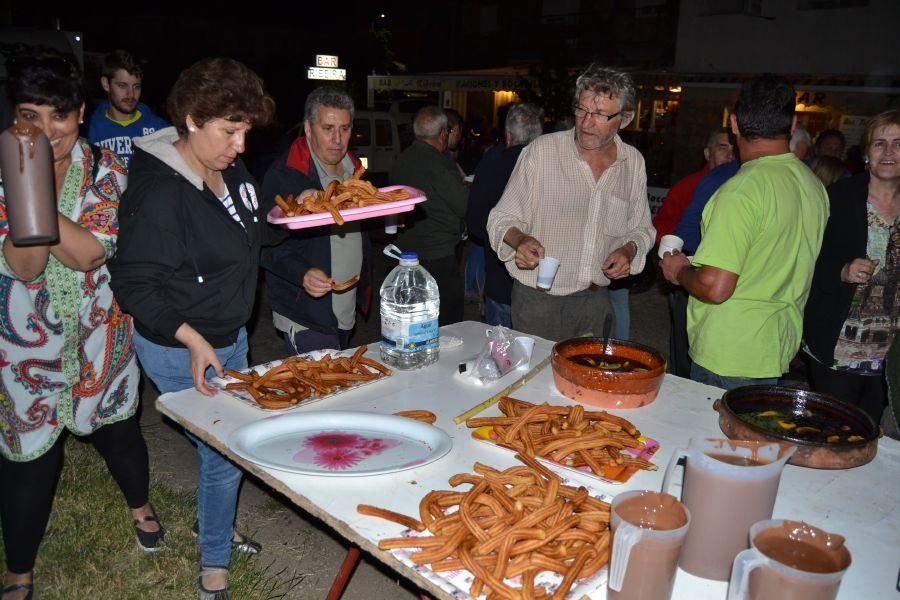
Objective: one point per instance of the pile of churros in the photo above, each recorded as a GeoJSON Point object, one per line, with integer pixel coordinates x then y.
{"type": "Point", "coordinates": [518, 522]}
{"type": "Point", "coordinates": [352, 193]}
{"type": "Point", "coordinates": [297, 379]}
{"type": "Point", "coordinates": [568, 435]}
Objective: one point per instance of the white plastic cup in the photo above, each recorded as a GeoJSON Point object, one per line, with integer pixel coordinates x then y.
{"type": "Point", "coordinates": [527, 344]}
{"type": "Point", "coordinates": [670, 243]}
{"type": "Point", "coordinates": [390, 224]}
{"type": "Point", "coordinates": [546, 272]}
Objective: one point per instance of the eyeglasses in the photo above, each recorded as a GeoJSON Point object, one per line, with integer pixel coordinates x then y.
{"type": "Point", "coordinates": [583, 113]}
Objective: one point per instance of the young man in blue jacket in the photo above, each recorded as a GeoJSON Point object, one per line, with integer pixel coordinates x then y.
{"type": "Point", "coordinates": [122, 117]}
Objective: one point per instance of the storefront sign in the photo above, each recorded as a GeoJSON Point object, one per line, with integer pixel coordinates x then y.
{"type": "Point", "coordinates": [326, 68]}
{"type": "Point", "coordinates": [446, 83]}
{"type": "Point", "coordinates": [326, 60]}
{"type": "Point", "coordinates": [328, 74]}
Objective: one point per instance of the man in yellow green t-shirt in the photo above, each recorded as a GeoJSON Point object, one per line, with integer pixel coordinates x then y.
{"type": "Point", "coordinates": [761, 234]}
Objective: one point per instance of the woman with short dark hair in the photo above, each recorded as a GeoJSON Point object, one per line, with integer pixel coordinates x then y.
{"type": "Point", "coordinates": [66, 355]}
{"type": "Point", "coordinates": [186, 270]}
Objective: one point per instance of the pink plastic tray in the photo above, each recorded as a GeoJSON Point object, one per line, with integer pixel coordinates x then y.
{"type": "Point", "coordinates": [276, 216]}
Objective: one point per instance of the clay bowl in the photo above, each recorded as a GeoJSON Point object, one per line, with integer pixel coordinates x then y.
{"type": "Point", "coordinates": [607, 388]}
{"type": "Point", "coordinates": [751, 399]}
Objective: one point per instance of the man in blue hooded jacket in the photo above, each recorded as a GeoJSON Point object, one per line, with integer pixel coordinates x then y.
{"type": "Point", "coordinates": [122, 117]}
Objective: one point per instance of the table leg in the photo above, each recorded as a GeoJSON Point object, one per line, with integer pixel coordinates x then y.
{"type": "Point", "coordinates": [344, 573]}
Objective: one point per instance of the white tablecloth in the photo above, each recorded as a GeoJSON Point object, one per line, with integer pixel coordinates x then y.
{"type": "Point", "coordinates": [860, 504]}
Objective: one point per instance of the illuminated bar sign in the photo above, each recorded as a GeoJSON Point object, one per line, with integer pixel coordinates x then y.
{"type": "Point", "coordinates": [326, 68]}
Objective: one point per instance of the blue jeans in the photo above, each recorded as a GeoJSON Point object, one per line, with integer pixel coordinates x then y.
{"type": "Point", "coordinates": [619, 300]}
{"type": "Point", "coordinates": [217, 491]}
{"type": "Point", "coordinates": [706, 376]}
{"type": "Point", "coordinates": [475, 270]}
{"type": "Point", "coordinates": [496, 313]}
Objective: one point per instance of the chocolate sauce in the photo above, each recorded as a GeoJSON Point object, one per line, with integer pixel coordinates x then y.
{"type": "Point", "coordinates": [801, 547]}
{"type": "Point", "coordinates": [29, 189]}
{"type": "Point", "coordinates": [798, 555]}
{"type": "Point", "coordinates": [653, 562]}
{"type": "Point", "coordinates": [741, 461]}
{"type": "Point", "coordinates": [724, 507]}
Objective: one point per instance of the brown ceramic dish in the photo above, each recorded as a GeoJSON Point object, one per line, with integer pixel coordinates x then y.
{"type": "Point", "coordinates": [737, 406]}
{"type": "Point", "coordinates": [607, 388]}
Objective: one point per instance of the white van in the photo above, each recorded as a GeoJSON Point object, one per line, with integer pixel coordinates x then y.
{"type": "Point", "coordinates": [376, 143]}
{"type": "Point", "coordinates": [404, 111]}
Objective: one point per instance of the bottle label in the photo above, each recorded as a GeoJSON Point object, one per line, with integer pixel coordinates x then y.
{"type": "Point", "coordinates": [409, 337]}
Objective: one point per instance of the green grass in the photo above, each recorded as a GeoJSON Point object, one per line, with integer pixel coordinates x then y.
{"type": "Point", "coordinates": [89, 550]}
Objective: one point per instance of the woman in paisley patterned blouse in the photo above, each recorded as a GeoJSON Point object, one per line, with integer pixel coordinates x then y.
{"type": "Point", "coordinates": [66, 355]}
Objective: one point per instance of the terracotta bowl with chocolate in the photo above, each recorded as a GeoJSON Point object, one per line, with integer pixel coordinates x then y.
{"type": "Point", "coordinates": [620, 375]}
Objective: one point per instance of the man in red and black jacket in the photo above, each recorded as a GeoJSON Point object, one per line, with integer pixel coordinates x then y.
{"type": "Point", "coordinates": [301, 269]}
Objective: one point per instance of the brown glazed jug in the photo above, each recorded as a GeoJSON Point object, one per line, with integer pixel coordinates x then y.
{"type": "Point", "coordinates": [26, 165]}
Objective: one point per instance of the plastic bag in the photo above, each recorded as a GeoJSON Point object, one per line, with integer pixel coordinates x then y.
{"type": "Point", "coordinates": [500, 354]}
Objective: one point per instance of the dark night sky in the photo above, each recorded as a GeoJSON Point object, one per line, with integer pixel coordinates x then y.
{"type": "Point", "coordinates": [278, 41]}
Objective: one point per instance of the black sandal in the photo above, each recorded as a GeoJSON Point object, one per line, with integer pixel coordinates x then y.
{"type": "Point", "coordinates": [19, 587]}
{"type": "Point", "coordinates": [205, 594]}
{"type": "Point", "coordinates": [149, 541]}
{"type": "Point", "coordinates": [242, 544]}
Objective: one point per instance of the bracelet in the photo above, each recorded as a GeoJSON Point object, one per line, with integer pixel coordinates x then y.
{"type": "Point", "coordinates": [633, 243]}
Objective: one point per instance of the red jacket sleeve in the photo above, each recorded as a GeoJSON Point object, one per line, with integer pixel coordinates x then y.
{"type": "Point", "coordinates": [675, 203]}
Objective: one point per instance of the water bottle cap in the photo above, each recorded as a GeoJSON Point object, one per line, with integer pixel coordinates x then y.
{"type": "Point", "coordinates": [407, 259]}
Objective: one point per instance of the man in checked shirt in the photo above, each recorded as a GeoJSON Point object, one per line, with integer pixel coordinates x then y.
{"type": "Point", "coordinates": [579, 196]}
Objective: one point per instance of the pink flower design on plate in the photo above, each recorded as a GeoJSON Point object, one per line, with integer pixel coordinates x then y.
{"type": "Point", "coordinates": [333, 439]}
{"type": "Point", "coordinates": [376, 446]}
{"type": "Point", "coordinates": [337, 459]}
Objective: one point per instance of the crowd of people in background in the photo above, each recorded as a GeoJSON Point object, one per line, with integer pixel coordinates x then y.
{"type": "Point", "coordinates": [163, 235]}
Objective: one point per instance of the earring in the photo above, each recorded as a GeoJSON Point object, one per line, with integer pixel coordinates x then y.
{"type": "Point", "coordinates": [192, 129]}
{"type": "Point", "coordinates": [866, 160]}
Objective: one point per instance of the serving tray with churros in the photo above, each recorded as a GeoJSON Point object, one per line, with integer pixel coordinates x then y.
{"type": "Point", "coordinates": [520, 533]}
{"type": "Point", "coordinates": [301, 380]}
{"type": "Point", "coordinates": [593, 443]}
{"type": "Point", "coordinates": [389, 200]}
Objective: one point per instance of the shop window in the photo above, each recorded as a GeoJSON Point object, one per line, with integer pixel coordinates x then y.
{"type": "Point", "coordinates": [362, 132]}
{"type": "Point", "coordinates": [383, 134]}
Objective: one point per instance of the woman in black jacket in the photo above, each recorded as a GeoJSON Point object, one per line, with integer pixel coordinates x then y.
{"type": "Point", "coordinates": [853, 311]}
{"type": "Point", "coordinates": [186, 268]}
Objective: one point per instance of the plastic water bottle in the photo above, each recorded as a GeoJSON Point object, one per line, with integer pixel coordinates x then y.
{"type": "Point", "coordinates": [410, 304]}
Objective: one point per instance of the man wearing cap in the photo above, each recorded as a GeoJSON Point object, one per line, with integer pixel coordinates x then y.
{"type": "Point", "coordinates": [579, 196]}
